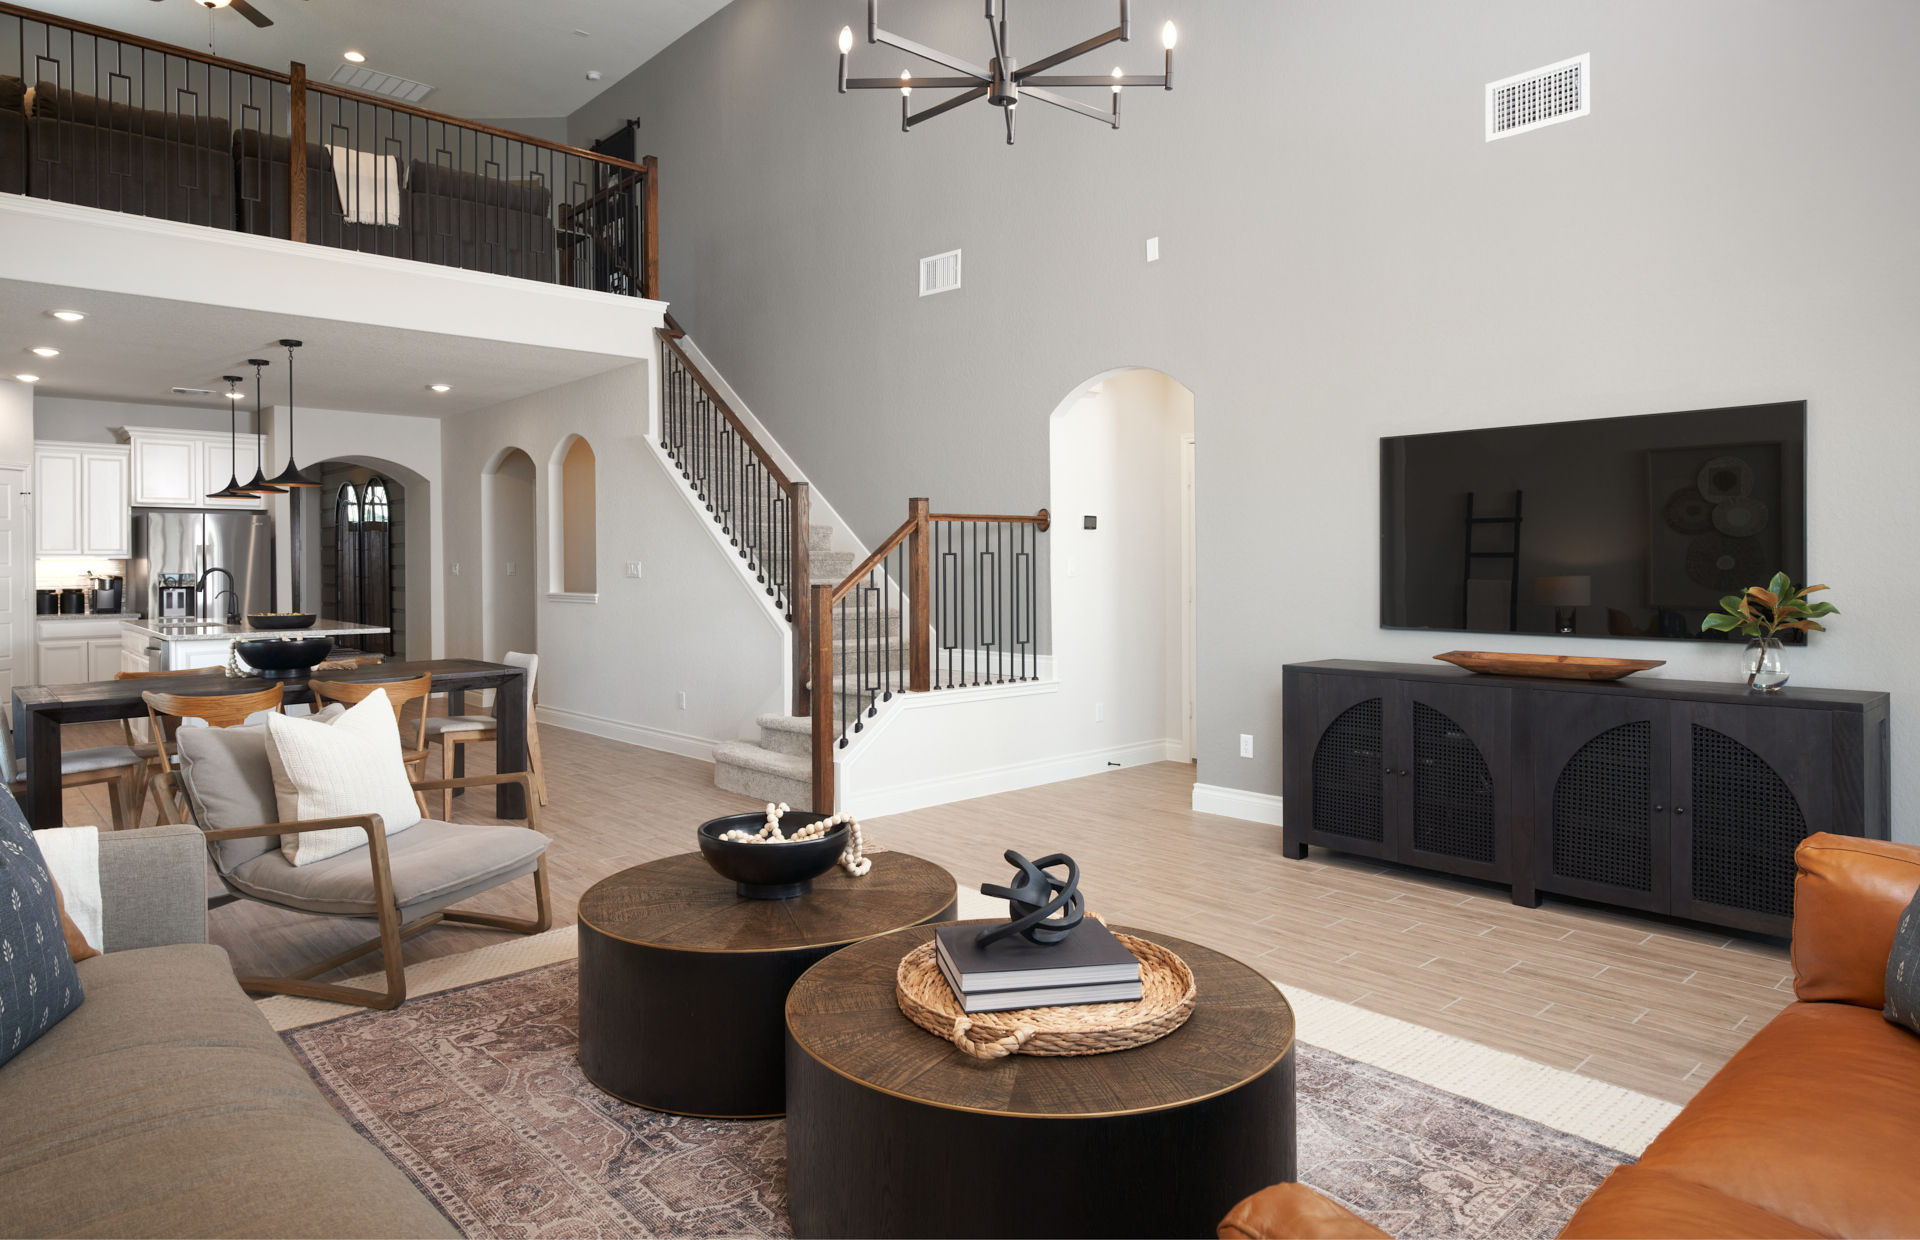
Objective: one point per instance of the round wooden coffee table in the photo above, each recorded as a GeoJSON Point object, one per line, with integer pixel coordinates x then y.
{"type": "Point", "coordinates": [894, 1132]}
{"type": "Point", "coordinates": [682, 980]}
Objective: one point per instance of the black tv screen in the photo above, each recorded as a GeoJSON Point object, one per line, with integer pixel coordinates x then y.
{"type": "Point", "coordinates": [1616, 527]}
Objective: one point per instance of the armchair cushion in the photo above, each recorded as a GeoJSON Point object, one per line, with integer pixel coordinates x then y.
{"type": "Point", "coordinates": [1847, 898]}
{"type": "Point", "coordinates": [434, 865]}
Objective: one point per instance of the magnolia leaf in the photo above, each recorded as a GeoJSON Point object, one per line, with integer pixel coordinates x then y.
{"type": "Point", "coordinates": [1781, 584]}
{"type": "Point", "coordinates": [1770, 598]}
{"type": "Point", "coordinates": [1806, 626]}
{"type": "Point", "coordinates": [1731, 604]}
{"type": "Point", "coordinates": [1822, 609]}
{"type": "Point", "coordinates": [1811, 589]}
{"type": "Point", "coordinates": [1725, 624]}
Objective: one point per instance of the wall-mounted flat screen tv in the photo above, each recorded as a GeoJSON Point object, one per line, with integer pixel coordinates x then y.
{"type": "Point", "coordinates": [1615, 527]}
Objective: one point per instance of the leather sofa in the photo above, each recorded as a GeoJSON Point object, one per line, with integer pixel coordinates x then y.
{"type": "Point", "coordinates": [459, 219]}
{"type": "Point", "coordinates": [13, 136]}
{"type": "Point", "coordinates": [165, 1104]}
{"type": "Point", "coordinates": [171, 165]}
{"type": "Point", "coordinates": [260, 166]}
{"type": "Point", "coordinates": [1811, 1129]}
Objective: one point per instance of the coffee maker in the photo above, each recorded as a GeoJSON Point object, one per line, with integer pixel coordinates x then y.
{"type": "Point", "coordinates": [106, 595]}
{"type": "Point", "coordinates": [177, 592]}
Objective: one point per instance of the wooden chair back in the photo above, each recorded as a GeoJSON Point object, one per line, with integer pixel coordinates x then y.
{"type": "Point", "coordinates": [399, 694]}
{"type": "Point", "coordinates": [126, 725]}
{"type": "Point", "coordinates": [223, 710]}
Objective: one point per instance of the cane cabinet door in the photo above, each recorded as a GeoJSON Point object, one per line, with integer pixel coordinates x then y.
{"type": "Point", "coordinates": [1756, 782]}
{"type": "Point", "coordinates": [1602, 769]}
{"type": "Point", "coordinates": [1344, 777]}
{"type": "Point", "coordinates": [1459, 797]}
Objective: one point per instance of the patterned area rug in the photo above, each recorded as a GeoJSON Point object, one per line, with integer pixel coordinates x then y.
{"type": "Point", "coordinates": [476, 1095]}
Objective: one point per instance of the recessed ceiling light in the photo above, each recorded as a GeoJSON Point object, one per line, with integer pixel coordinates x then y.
{"type": "Point", "coordinates": [28, 378]}
{"type": "Point", "coordinates": [68, 316]}
{"type": "Point", "coordinates": [439, 387]}
{"type": "Point", "coordinates": [44, 351]}
{"type": "Point", "coordinates": [356, 57]}
{"type": "Point", "coordinates": [593, 75]}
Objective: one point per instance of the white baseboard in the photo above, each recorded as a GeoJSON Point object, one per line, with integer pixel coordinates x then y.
{"type": "Point", "coordinates": [1236, 803]}
{"type": "Point", "coordinates": [940, 790]}
{"type": "Point", "coordinates": [686, 746]}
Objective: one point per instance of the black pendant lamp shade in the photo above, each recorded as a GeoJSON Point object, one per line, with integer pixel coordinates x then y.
{"type": "Point", "coordinates": [233, 489]}
{"type": "Point", "coordinates": [291, 475]}
{"type": "Point", "coordinates": [259, 485]}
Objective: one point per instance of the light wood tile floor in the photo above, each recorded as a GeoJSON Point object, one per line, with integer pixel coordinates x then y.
{"type": "Point", "coordinates": [1653, 1005]}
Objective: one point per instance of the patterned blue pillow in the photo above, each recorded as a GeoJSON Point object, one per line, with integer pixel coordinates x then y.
{"type": "Point", "coordinates": [38, 985]}
{"type": "Point", "coordinates": [1903, 970]}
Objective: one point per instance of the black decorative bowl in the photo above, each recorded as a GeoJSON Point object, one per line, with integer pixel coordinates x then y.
{"type": "Point", "coordinates": [284, 658]}
{"type": "Point", "coordinates": [281, 619]}
{"type": "Point", "coordinates": [771, 871]}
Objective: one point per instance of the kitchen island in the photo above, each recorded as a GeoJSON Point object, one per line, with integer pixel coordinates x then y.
{"type": "Point", "coordinates": [169, 645]}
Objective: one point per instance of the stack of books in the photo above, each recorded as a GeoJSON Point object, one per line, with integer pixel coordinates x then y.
{"type": "Point", "coordinates": [1089, 966]}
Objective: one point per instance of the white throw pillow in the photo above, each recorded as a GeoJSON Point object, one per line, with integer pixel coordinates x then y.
{"type": "Point", "coordinates": [330, 769]}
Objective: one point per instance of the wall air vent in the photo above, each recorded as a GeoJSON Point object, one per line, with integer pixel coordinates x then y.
{"type": "Point", "coordinates": [180, 391]}
{"type": "Point", "coordinates": [371, 82]}
{"type": "Point", "coordinates": [940, 273]}
{"type": "Point", "coordinates": [1559, 92]}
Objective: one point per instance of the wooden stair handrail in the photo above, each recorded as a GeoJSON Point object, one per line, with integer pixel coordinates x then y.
{"type": "Point", "coordinates": [765, 458]}
{"type": "Point", "coordinates": [867, 565]}
{"type": "Point", "coordinates": [1043, 518]}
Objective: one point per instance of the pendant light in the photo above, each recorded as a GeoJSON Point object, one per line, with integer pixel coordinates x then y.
{"type": "Point", "coordinates": [259, 485]}
{"type": "Point", "coordinates": [233, 489]}
{"type": "Point", "coordinates": [291, 475]}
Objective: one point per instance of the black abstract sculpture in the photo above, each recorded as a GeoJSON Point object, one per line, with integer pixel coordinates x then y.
{"type": "Point", "coordinates": [1035, 897]}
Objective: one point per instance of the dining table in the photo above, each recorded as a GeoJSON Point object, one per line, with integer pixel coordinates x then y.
{"type": "Point", "coordinates": [39, 712]}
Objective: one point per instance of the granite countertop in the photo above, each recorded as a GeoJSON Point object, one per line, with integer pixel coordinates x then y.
{"type": "Point", "coordinates": [85, 615]}
{"type": "Point", "coordinates": [202, 630]}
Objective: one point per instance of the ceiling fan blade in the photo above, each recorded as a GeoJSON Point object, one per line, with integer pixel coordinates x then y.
{"type": "Point", "coordinates": [250, 13]}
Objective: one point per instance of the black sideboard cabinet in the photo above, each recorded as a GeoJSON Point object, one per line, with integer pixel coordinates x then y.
{"type": "Point", "coordinates": [1671, 796]}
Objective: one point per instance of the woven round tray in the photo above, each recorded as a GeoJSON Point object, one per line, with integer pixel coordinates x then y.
{"type": "Point", "coordinates": [1085, 1029]}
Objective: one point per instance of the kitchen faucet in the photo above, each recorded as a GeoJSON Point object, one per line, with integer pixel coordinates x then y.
{"type": "Point", "coordinates": [233, 599]}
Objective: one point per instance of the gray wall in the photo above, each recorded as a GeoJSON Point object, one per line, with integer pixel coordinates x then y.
{"type": "Point", "coordinates": [1344, 258]}
{"type": "Point", "coordinates": [552, 128]}
{"type": "Point", "coordinates": [77, 420]}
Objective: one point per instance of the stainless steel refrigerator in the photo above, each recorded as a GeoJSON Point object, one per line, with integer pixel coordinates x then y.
{"type": "Point", "coordinates": [177, 552]}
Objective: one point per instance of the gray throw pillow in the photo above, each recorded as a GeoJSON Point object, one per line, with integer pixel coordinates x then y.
{"type": "Point", "coordinates": [1903, 970]}
{"type": "Point", "coordinates": [229, 783]}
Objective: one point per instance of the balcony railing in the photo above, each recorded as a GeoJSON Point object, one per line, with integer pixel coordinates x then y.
{"type": "Point", "coordinates": [105, 119]}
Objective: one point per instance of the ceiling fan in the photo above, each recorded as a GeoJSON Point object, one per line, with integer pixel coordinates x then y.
{"type": "Point", "coordinates": [241, 7]}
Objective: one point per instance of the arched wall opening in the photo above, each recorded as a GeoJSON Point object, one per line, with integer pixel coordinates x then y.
{"type": "Point", "coordinates": [509, 550]}
{"type": "Point", "coordinates": [1124, 591]}
{"type": "Point", "coordinates": [574, 522]}
{"type": "Point", "coordinates": [404, 583]}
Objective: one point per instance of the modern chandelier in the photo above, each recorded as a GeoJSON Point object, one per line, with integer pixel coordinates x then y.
{"type": "Point", "coordinates": [1005, 81]}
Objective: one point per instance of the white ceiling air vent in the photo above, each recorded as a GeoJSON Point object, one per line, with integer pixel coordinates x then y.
{"type": "Point", "coordinates": [372, 82]}
{"type": "Point", "coordinates": [940, 273]}
{"type": "Point", "coordinates": [180, 391]}
{"type": "Point", "coordinates": [1539, 97]}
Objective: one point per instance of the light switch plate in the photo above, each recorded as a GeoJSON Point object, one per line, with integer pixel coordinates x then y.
{"type": "Point", "coordinates": [1246, 745]}
{"type": "Point", "coordinates": [633, 569]}
{"type": "Point", "coordinates": [1153, 249]}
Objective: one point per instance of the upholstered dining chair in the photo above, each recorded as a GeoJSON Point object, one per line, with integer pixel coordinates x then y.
{"type": "Point", "coordinates": [149, 749]}
{"type": "Point", "coordinates": [399, 694]}
{"type": "Point", "coordinates": [404, 882]}
{"type": "Point", "coordinates": [116, 766]}
{"type": "Point", "coordinates": [452, 731]}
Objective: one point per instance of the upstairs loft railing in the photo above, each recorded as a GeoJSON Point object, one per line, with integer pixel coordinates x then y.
{"type": "Point", "coordinates": [947, 601]}
{"type": "Point", "coordinates": [105, 119]}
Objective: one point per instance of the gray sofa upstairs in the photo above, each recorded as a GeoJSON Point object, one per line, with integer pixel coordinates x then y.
{"type": "Point", "coordinates": [165, 1105]}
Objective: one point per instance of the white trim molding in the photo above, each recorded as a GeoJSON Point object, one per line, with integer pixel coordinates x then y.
{"type": "Point", "coordinates": [919, 794]}
{"type": "Point", "coordinates": [1236, 803]}
{"type": "Point", "coordinates": [686, 746]}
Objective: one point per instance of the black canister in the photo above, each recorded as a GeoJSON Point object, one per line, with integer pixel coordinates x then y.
{"type": "Point", "coordinates": [46, 602]}
{"type": "Point", "coordinates": [73, 602]}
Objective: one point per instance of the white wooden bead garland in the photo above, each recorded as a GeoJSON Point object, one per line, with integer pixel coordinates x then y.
{"type": "Point", "coordinates": [854, 860]}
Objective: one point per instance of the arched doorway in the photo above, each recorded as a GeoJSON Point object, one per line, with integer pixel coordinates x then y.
{"type": "Point", "coordinates": [363, 552]}
{"type": "Point", "coordinates": [509, 585]}
{"type": "Point", "coordinates": [1124, 591]}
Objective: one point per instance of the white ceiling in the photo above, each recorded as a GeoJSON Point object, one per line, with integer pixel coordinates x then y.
{"type": "Point", "coordinates": [136, 349]}
{"type": "Point", "coordinates": [485, 59]}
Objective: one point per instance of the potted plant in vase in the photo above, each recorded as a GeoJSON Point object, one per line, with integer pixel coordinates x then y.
{"type": "Point", "coordinates": [1761, 615]}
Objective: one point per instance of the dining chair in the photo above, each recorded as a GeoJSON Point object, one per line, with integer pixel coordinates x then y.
{"type": "Point", "coordinates": [149, 750]}
{"type": "Point", "coordinates": [399, 694]}
{"type": "Point", "coordinates": [166, 712]}
{"type": "Point", "coordinates": [453, 731]}
{"type": "Point", "coordinates": [117, 766]}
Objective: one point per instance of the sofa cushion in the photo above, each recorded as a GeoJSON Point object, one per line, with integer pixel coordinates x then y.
{"type": "Point", "coordinates": [172, 164]}
{"type": "Point", "coordinates": [1848, 895]}
{"type": "Point", "coordinates": [434, 865]}
{"type": "Point", "coordinates": [1816, 1120]}
{"type": "Point", "coordinates": [167, 1106]}
{"type": "Point", "coordinates": [1635, 1202]}
{"type": "Point", "coordinates": [39, 984]}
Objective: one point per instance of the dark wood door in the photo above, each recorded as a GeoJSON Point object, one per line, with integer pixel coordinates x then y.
{"type": "Point", "coordinates": [1602, 814]}
{"type": "Point", "coordinates": [1339, 769]}
{"type": "Point", "coordinates": [1751, 782]}
{"type": "Point", "coordinates": [1459, 794]}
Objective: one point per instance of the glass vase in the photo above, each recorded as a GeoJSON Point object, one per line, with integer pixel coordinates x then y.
{"type": "Point", "coordinates": [1765, 664]}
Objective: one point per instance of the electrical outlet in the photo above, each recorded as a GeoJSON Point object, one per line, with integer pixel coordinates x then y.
{"type": "Point", "coordinates": [1153, 249]}
{"type": "Point", "coordinates": [1246, 745]}
{"type": "Point", "coordinates": [1099, 712]}
{"type": "Point", "coordinates": [633, 569]}
{"type": "Point", "coordinates": [510, 568]}
{"type": "Point", "coordinates": [680, 699]}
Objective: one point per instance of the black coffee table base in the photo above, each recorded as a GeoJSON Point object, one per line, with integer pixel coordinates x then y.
{"type": "Point", "coordinates": [864, 1162]}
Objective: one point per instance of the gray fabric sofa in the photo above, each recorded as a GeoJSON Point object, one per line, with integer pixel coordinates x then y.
{"type": "Point", "coordinates": [166, 1105]}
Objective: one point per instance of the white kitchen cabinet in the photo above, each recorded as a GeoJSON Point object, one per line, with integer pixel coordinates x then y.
{"type": "Point", "coordinates": [176, 469]}
{"type": "Point", "coordinates": [103, 658]}
{"type": "Point", "coordinates": [82, 506]}
{"type": "Point", "coordinates": [63, 662]}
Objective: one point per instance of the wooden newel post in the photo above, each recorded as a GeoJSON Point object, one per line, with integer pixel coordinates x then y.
{"type": "Point", "coordinates": [799, 593]}
{"type": "Point", "coordinates": [650, 226]}
{"type": "Point", "coordinates": [918, 621]}
{"type": "Point", "coordinates": [296, 152]}
{"type": "Point", "coordinates": [822, 661]}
